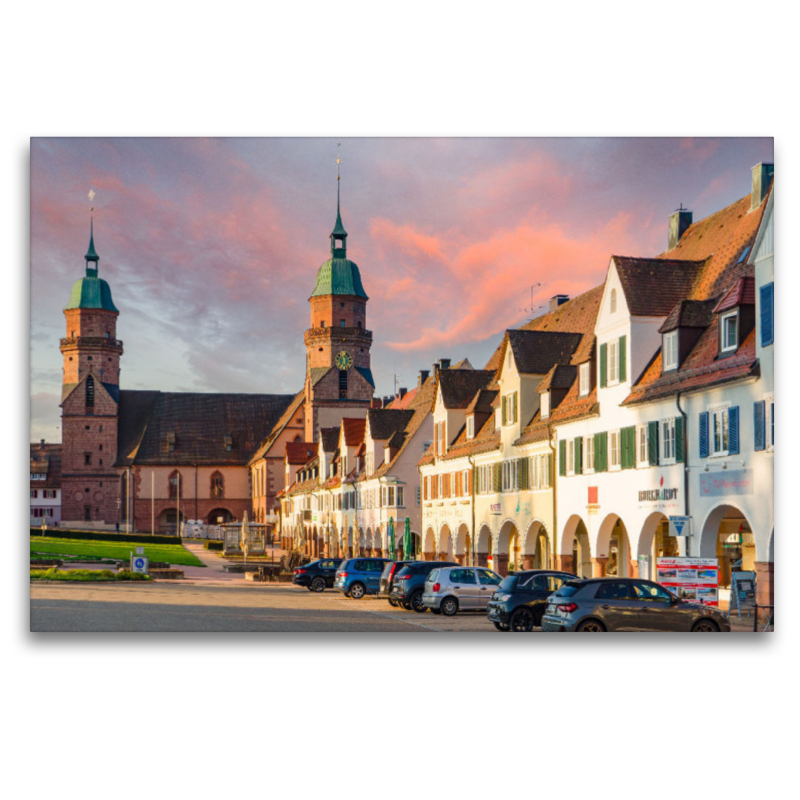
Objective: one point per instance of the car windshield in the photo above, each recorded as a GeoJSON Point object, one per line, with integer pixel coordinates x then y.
{"type": "Point", "coordinates": [404, 571]}
{"type": "Point", "coordinates": [343, 565]}
{"type": "Point", "coordinates": [569, 589]}
{"type": "Point", "coordinates": [507, 584]}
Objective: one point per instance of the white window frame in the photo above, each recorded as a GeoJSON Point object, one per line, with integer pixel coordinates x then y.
{"type": "Point", "coordinates": [544, 404]}
{"type": "Point", "coordinates": [613, 363]}
{"type": "Point", "coordinates": [666, 432]}
{"type": "Point", "coordinates": [588, 451]}
{"type": "Point", "coordinates": [510, 476]}
{"type": "Point", "coordinates": [584, 373]}
{"type": "Point", "coordinates": [614, 450]}
{"type": "Point", "coordinates": [670, 351]}
{"type": "Point", "coordinates": [642, 445]}
{"type": "Point", "coordinates": [729, 348]}
{"type": "Point", "coordinates": [544, 472]}
{"type": "Point", "coordinates": [465, 482]}
{"type": "Point", "coordinates": [440, 486]}
{"type": "Point", "coordinates": [470, 427]}
{"type": "Point", "coordinates": [718, 421]}
{"type": "Point", "coordinates": [570, 456]}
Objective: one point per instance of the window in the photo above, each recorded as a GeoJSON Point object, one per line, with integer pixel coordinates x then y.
{"type": "Point", "coordinates": [175, 485]}
{"type": "Point", "coordinates": [485, 479]}
{"type": "Point", "coordinates": [510, 476]}
{"type": "Point", "coordinates": [462, 576]}
{"type": "Point", "coordinates": [465, 482]}
{"type": "Point", "coordinates": [90, 398]}
{"type": "Point", "coordinates": [719, 438]}
{"type": "Point", "coordinates": [729, 332]}
{"type": "Point", "coordinates": [584, 374]}
{"type": "Point", "coordinates": [613, 590]}
{"type": "Point", "coordinates": [545, 405]}
{"type": "Point", "coordinates": [440, 486]}
{"type": "Point", "coordinates": [217, 485]}
{"type": "Point", "coordinates": [651, 591]}
{"type": "Point", "coordinates": [488, 578]}
{"type": "Point", "coordinates": [613, 361]}
{"type": "Point", "coordinates": [767, 311]}
{"type": "Point", "coordinates": [509, 408]}
{"type": "Point", "coordinates": [87, 459]}
{"type": "Point", "coordinates": [322, 323]}
{"type": "Point", "coordinates": [342, 383]}
{"type": "Point", "coordinates": [342, 323]}
{"type": "Point", "coordinates": [771, 424]}
{"type": "Point", "coordinates": [401, 497]}
{"type": "Point", "coordinates": [34, 493]}
{"type": "Point", "coordinates": [670, 351]}
{"type": "Point", "coordinates": [667, 441]}
{"type": "Point", "coordinates": [417, 495]}
{"type": "Point", "coordinates": [613, 302]}
{"type": "Point", "coordinates": [614, 450]}
{"type": "Point", "coordinates": [470, 427]}
{"type": "Point", "coordinates": [588, 446]}
{"type": "Point", "coordinates": [642, 456]}
{"type": "Point", "coordinates": [570, 457]}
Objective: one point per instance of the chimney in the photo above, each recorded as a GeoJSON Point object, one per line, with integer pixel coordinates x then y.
{"type": "Point", "coordinates": [558, 300]}
{"type": "Point", "coordinates": [762, 178]}
{"type": "Point", "coordinates": [679, 221]}
{"type": "Point", "coordinates": [444, 363]}
{"type": "Point", "coordinates": [401, 392]}
{"type": "Point", "coordinates": [41, 444]}
{"type": "Point", "coordinates": [423, 376]}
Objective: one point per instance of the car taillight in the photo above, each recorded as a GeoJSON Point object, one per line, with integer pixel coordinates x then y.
{"type": "Point", "coordinates": [437, 586]}
{"type": "Point", "coordinates": [568, 607]}
{"type": "Point", "coordinates": [299, 571]}
{"type": "Point", "coordinates": [341, 574]}
{"type": "Point", "coordinates": [403, 577]}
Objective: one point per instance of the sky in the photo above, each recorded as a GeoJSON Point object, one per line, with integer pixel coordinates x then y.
{"type": "Point", "coordinates": [211, 246]}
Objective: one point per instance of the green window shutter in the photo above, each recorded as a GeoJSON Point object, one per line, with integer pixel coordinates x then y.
{"type": "Point", "coordinates": [503, 409]}
{"type": "Point", "coordinates": [679, 439]}
{"type": "Point", "coordinates": [603, 362]}
{"type": "Point", "coordinates": [601, 452]}
{"type": "Point", "coordinates": [625, 447]}
{"type": "Point", "coordinates": [498, 476]}
{"type": "Point", "coordinates": [623, 358]}
{"type": "Point", "coordinates": [652, 442]}
{"type": "Point", "coordinates": [523, 473]}
{"type": "Point", "coordinates": [562, 457]}
{"type": "Point", "coordinates": [549, 469]}
{"type": "Point", "coordinates": [579, 455]}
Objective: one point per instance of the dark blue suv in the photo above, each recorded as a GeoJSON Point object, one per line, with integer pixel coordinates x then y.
{"type": "Point", "coordinates": [359, 576]}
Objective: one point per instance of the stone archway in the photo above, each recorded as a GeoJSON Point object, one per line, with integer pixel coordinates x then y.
{"type": "Point", "coordinates": [576, 551]}
{"type": "Point", "coordinates": [218, 516]}
{"type": "Point", "coordinates": [507, 552]}
{"type": "Point", "coordinates": [612, 549]}
{"type": "Point", "coordinates": [168, 520]}
{"type": "Point", "coordinates": [654, 543]}
{"type": "Point", "coordinates": [728, 536]}
{"type": "Point", "coordinates": [482, 544]}
{"type": "Point", "coordinates": [463, 546]}
{"type": "Point", "coordinates": [429, 545]}
{"type": "Point", "coordinates": [446, 549]}
{"type": "Point", "coordinates": [536, 547]}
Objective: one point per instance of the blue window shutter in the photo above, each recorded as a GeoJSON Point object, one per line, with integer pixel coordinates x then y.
{"type": "Point", "coordinates": [703, 444]}
{"type": "Point", "coordinates": [767, 314]}
{"type": "Point", "coordinates": [733, 430]}
{"type": "Point", "coordinates": [759, 424]}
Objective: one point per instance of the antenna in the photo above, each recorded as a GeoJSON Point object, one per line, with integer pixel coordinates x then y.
{"type": "Point", "coordinates": [532, 309]}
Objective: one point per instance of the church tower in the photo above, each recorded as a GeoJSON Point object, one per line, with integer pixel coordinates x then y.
{"type": "Point", "coordinates": [90, 399]}
{"type": "Point", "coordinates": [339, 380]}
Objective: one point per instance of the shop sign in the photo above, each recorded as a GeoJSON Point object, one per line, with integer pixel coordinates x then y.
{"type": "Point", "coordinates": [680, 526]}
{"type": "Point", "coordinates": [695, 580]}
{"type": "Point", "coordinates": [737, 481]}
{"type": "Point", "coordinates": [664, 496]}
{"type": "Point", "coordinates": [494, 508]}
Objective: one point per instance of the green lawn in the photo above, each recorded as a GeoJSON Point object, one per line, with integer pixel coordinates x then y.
{"type": "Point", "coordinates": [168, 553]}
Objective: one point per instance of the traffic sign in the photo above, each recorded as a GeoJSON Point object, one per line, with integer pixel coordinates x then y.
{"type": "Point", "coordinates": [680, 526]}
{"type": "Point", "coordinates": [139, 564]}
{"type": "Point", "coordinates": [140, 551]}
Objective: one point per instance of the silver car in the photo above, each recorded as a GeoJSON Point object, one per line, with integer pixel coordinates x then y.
{"type": "Point", "coordinates": [449, 590]}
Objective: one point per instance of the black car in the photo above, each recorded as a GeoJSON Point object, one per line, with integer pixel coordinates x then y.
{"type": "Point", "coordinates": [316, 576]}
{"type": "Point", "coordinates": [521, 599]}
{"type": "Point", "coordinates": [409, 584]}
{"type": "Point", "coordinates": [389, 573]}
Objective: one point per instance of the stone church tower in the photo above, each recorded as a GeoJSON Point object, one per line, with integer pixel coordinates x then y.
{"type": "Point", "coordinates": [90, 400]}
{"type": "Point", "coordinates": [339, 380]}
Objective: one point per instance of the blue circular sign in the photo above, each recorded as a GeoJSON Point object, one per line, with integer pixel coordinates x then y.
{"type": "Point", "coordinates": [139, 562]}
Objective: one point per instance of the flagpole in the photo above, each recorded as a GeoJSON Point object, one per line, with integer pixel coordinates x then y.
{"type": "Point", "coordinates": [152, 502]}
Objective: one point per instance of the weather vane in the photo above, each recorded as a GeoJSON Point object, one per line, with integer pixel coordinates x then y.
{"type": "Point", "coordinates": [91, 198]}
{"type": "Point", "coordinates": [338, 160]}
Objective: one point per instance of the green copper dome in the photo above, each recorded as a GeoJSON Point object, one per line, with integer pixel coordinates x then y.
{"type": "Point", "coordinates": [338, 276]}
{"type": "Point", "coordinates": [91, 292]}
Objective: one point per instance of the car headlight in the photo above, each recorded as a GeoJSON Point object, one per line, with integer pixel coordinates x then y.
{"type": "Point", "coordinates": [502, 597]}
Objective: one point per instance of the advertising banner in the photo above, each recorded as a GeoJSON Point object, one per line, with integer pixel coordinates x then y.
{"type": "Point", "coordinates": [734, 481]}
{"type": "Point", "coordinates": [695, 580]}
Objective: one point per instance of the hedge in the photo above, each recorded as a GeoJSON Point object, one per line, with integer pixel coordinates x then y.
{"type": "Point", "coordinates": [132, 538]}
{"type": "Point", "coordinates": [213, 544]}
{"type": "Point", "coordinates": [86, 575]}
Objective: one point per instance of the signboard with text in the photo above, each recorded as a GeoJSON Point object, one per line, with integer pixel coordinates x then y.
{"type": "Point", "coordinates": [695, 580]}
{"type": "Point", "coordinates": [732, 481]}
{"type": "Point", "coordinates": [680, 526]}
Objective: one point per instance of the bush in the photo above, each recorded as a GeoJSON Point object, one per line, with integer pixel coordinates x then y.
{"type": "Point", "coordinates": [212, 544]}
{"type": "Point", "coordinates": [54, 574]}
{"type": "Point", "coordinates": [129, 538]}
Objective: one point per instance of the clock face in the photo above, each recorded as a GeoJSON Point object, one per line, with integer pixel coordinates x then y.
{"type": "Point", "coordinates": [344, 360]}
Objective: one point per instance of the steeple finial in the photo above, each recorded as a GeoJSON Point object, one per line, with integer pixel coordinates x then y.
{"type": "Point", "coordinates": [339, 234]}
{"type": "Point", "coordinates": [91, 254]}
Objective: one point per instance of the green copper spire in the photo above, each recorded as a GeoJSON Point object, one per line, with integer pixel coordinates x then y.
{"type": "Point", "coordinates": [91, 254]}
{"type": "Point", "coordinates": [91, 291]}
{"type": "Point", "coordinates": [338, 234]}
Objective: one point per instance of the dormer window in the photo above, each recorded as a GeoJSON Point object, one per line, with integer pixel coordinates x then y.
{"type": "Point", "coordinates": [729, 332]}
{"type": "Point", "coordinates": [669, 351]}
{"type": "Point", "coordinates": [470, 427]}
{"type": "Point", "coordinates": [545, 405]}
{"type": "Point", "coordinates": [584, 378]}
{"type": "Point", "coordinates": [228, 441]}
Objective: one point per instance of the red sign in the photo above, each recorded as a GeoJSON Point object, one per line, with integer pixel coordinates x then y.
{"type": "Point", "coordinates": [593, 495]}
{"type": "Point", "coordinates": [695, 580]}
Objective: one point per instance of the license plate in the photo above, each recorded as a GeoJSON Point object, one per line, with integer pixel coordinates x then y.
{"type": "Point", "coordinates": [551, 609]}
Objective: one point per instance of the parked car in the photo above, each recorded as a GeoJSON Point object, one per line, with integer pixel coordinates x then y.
{"type": "Point", "coordinates": [390, 571]}
{"type": "Point", "coordinates": [520, 600]}
{"type": "Point", "coordinates": [359, 576]}
{"type": "Point", "coordinates": [452, 589]}
{"type": "Point", "coordinates": [409, 583]}
{"type": "Point", "coordinates": [620, 604]}
{"type": "Point", "coordinates": [316, 575]}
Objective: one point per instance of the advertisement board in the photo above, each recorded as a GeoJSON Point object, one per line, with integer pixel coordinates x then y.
{"type": "Point", "coordinates": [695, 580]}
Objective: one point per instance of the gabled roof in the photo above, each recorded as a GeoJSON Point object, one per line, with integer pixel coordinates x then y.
{"type": "Point", "coordinates": [483, 402]}
{"type": "Point", "coordinates": [46, 460]}
{"type": "Point", "coordinates": [353, 430]}
{"type": "Point", "coordinates": [653, 286]}
{"type": "Point", "coordinates": [383, 422]}
{"type": "Point", "coordinates": [298, 453]}
{"type": "Point", "coordinates": [318, 373]}
{"type": "Point", "coordinates": [278, 428]}
{"type": "Point", "coordinates": [689, 314]}
{"type": "Point", "coordinates": [561, 376]}
{"type": "Point", "coordinates": [330, 439]}
{"type": "Point", "coordinates": [459, 386]}
{"type": "Point", "coordinates": [535, 352]}
{"type": "Point", "coordinates": [742, 293]}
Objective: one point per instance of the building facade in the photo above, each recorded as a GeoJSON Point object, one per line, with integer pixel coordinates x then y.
{"type": "Point", "coordinates": [45, 484]}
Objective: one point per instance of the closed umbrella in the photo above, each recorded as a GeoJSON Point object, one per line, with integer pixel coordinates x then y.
{"type": "Point", "coordinates": [408, 541]}
{"type": "Point", "coordinates": [391, 536]}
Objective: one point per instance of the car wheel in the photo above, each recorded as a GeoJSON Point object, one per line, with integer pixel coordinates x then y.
{"type": "Point", "coordinates": [416, 603]}
{"type": "Point", "coordinates": [436, 611]}
{"type": "Point", "coordinates": [357, 591]}
{"type": "Point", "coordinates": [501, 627]}
{"type": "Point", "coordinates": [449, 606]}
{"type": "Point", "coordinates": [405, 605]}
{"type": "Point", "coordinates": [591, 626]}
{"type": "Point", "coordinates": [318, 584]}
{"type": "Point", "coordinates": [522, 620]}
{"type": "Point", "coordinates": [392, 602]}
{"type": "Point", "coordinates": [705, 626]}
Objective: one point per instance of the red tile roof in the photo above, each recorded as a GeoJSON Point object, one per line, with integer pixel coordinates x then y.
{"type": "Point", "coordinates": [652, 286]}
{"type": "Point", "coordinates": [742, 293]}
{"type": "Point", "coordinates": [354, 431]}
{"type": "Point", "coordinates": [300, 452]}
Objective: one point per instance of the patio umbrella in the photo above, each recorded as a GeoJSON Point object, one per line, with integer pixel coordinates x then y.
{"type": "Point", "coordinates": [245, 540]}
{"type": "Point", "coordinates": [408, 541]}
{"type": "Point", "coordinates": [391, 536]}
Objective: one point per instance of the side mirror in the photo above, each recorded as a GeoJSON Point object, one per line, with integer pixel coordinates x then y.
{"type": "Point", "coordinates": [674, 600]}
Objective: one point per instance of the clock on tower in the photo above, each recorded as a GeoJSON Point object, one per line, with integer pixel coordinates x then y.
{"type": "Point", "coordinates": [343, 360]}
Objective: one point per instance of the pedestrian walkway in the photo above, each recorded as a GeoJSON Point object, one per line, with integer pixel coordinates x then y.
{"type": "Point", "coordinates": [213, 573]}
